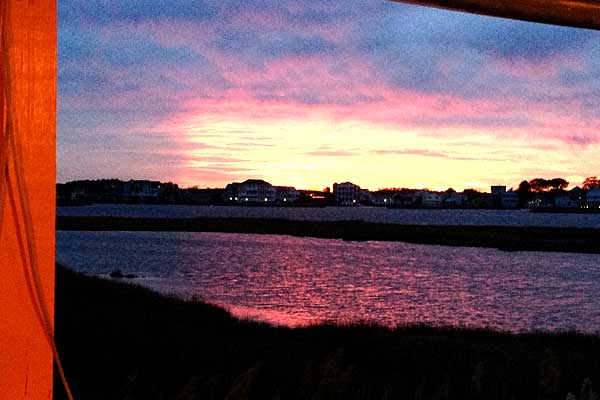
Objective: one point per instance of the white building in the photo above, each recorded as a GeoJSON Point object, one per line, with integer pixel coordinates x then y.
{"type": "Point", "coordinates": [347, 193]}
{"type": "Point", "coordinates": [250, 191]}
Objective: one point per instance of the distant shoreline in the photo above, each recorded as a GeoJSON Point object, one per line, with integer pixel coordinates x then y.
{"type": "Point", "coordinates": [562, 210]}
{"type": "Point", "coordinates": [507, 238]}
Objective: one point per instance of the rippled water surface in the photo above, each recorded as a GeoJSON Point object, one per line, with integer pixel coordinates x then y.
{"type": "Point", "coordinates": [370, 214]}
{"type": "Point", "coordinates": [296, 281]}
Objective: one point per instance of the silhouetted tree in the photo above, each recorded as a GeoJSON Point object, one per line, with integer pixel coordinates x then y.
{"type": "Point", "coordinates": [558, 184]}
{"type": "Point", "coordinates": [591, 183]}
{"type": "Point", "coordinates": [543, 185]}
{"type": "Point", "coordinates": [538, 185]}
{"type": "Point", "coordinates": [524, 191]}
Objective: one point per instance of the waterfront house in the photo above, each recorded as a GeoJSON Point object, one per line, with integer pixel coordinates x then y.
{"type": "Point", "coordinates": [405, 198]}
{"type": "Point", "coordinates": [453, 199]}
{"type": "Point", "coordinates": [503, 198]}
{"type": "Point", "coordinates": [539, 201]}
{"type": "Point", "coordinates": [365, 197]}
{"type": "Point", "coordinates": [509, 199]}
{"type": "Point", "coordinates": [286, 194]}
{"type": "Point", "coordinates": [477, 199]}
{"type": "Point", "coordinates": [497, 190]}
{"type": "Point", "coordinates": [140, 191]}
{"type": "Point", "coordinates": [593, 198]}
{"type": "Point", "coordinates": [347, 193]}
{"type": "Point", "coordinates": [577, 194]}
{"type": "Point", "coordinates": [250, 191]}
{"type": "Point", "coordinates": [431, 199]}
{"type": "Point", "coordinates": [562, 200]}
{"type": "Point", "coordinates": [382, 197]}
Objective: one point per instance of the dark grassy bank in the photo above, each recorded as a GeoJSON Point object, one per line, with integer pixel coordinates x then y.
{"type": "Point", "coordinates": [579, 240]}
{"type": "Point", "coordinates": [124, 342]}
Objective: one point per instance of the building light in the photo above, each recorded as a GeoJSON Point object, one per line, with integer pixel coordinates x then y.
{"type": "Point", "coordinates": [266, 199]}
{"type": "Point", "coordinates": [385, 200]}
{"type": "Point", "coordinates": [284, 199]}
{"type": "Point", "coordinates": [354, 201]}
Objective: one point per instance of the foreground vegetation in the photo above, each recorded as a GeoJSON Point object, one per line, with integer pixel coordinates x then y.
{"type": "Point", "coordinates": [510, 238]}
{"type": "Point", "coordinates": [121, 341]}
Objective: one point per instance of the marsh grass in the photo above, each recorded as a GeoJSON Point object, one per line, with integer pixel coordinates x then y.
{"type": "Point", "coordinates": [122, 341]}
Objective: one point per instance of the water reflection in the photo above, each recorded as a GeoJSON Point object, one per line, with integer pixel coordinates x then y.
{"type": "Point", "coordinates": [297, 281]}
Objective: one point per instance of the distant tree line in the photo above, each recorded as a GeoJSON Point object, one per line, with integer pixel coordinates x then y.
{"type": "Point", "coordinates": [543, 192]}
{"type": "Point", "coordinates": [90, 191]}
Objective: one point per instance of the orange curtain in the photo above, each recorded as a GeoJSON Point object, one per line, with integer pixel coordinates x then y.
{"type": "Point", "coordinates": [27, 196]}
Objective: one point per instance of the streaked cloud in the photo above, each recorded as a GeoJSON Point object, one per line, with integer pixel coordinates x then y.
{"type": "Point", "coordinates": [308, 93]}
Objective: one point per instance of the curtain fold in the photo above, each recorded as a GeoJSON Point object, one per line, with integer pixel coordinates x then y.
{"type": "Point", "coordinates": [27, 197]}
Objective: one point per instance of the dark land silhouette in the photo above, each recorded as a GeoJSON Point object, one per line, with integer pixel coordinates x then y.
{"type": "Point", "coordinates": [121, 341]}
{"type": "Point", "coordinates": [509, 238]}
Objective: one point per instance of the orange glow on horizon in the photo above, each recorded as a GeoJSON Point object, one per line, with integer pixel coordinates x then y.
{"type": "Point", "coordinates": [313, 147]}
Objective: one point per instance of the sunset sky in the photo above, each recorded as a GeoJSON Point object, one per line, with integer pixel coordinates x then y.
{"type": "Point", "coordinates": [308, 93]}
